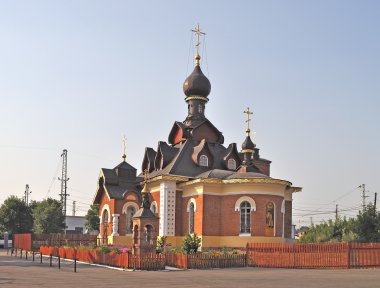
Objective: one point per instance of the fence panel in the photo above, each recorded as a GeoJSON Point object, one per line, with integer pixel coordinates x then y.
{"type": "Point", "coordinates": [309, 255]}
{"type": "Point", "coordinates": [22, 241]}
{"type": "Point", "coordinates": [365, 255]}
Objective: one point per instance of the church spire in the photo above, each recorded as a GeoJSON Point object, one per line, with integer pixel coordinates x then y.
{"type": "Point", "coordinates": [248, 147]}
{"type": "Point", "coordinates": [124, 148]}
{"type": "Point", "coordinates": [196, 86]}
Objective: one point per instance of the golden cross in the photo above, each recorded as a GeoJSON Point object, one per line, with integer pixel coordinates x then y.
{"type": "Point", "coordinates": [124, 147]}
{"type": "Point", "coordinates": [198, 32]}
{"type": "Point", "coordinates": [248, 119]}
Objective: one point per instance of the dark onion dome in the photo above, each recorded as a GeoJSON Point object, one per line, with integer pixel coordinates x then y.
{"type": "Point", "coordinates": [197, 84]}
{"type": "Point", "coordinates": [248, 145]}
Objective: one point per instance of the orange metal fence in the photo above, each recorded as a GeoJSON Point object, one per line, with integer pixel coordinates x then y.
{"type": "Point", "coordinates": [364, 255]}
{"type": "Point", "coordinates": [314, 255]}
{"type": "Point", "coordinates": [205, 261]}
{"type": "Point", "coordinates": [123, 260]}
{"type": "Point", "coordinates": [22, 241]}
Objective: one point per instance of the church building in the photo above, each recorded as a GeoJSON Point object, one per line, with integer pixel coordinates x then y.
{"type": "Point", "coordinates": [195, 183]}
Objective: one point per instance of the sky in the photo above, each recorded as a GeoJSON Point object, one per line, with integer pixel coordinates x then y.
{"type": "Point", "coordinates": [78, 75]}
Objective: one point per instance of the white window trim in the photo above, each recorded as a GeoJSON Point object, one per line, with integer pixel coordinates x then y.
{"type": "Point", "coordinates": [125, 209]}
{"type": "Point", "coordinates": [249, 200]}
{"type": "Point", "coordinates": [192, 200]}
{"type": "Point", "coordinates": [126, 205]}
{"type": "Point", "coordinates": [107, 208]}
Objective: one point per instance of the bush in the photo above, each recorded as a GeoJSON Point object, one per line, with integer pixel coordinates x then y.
{"type": "Point", "coordinates": [191, 244]}
{"type": "Point", "coordinates": [162, 245]}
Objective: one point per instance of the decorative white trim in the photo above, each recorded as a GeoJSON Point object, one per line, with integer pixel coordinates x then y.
{"type": "Point", "coordinates": [107, 208]}
{"type": "Point", "coordinates": [115, 224]}
{"type": "Point", "coordinates": [242, 199]}
{"type": "Point", "coordinates": [126, 205]}
{"type": "Point", "coordinates": [245, 234]}
{"type": "Point", "coordinates": [196, 193]}
{"type": "Point", "coordinates": [192, 200]}
{"type": "Point", "coordinates": [167, 208]}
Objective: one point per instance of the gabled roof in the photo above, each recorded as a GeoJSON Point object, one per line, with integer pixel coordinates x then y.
{"type": "Point", "coordinates": [164, 152]}
{"type": "Point", "coordinates": [117, 182]}
{"type": "Point", "coordinates": [148, 161]}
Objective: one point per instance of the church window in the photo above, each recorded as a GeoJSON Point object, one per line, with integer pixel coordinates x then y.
{"type": "Point", "coordinates": [129, 215]}
{"type": "Point", "coordinates": [269, 215]}
{"type": "Point", "coordinates": [203, 161]}
{"type": "Point", "coordinates": [153, 208]}
{"type": "Point", "coordinates": [191, 218]}
{"type": "Point", "coordinates": [200, 108]}
{"type": "Point", "coordinates": [245, 217]}
{"type": "Point", "coordinates": [231, 164]}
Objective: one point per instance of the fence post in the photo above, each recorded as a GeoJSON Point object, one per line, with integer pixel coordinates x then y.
{"type": "Point", "coordinates": [59, 262]}
{"type": "Point", "coordinates": [33, 255]}
{"type": "Point", "coordinates": [75, 264]}
{"type": "Point", "coordinates": [21, 254]}
{"type": "Point", "coordinates": [51, 259]}
{"type": "Point", "coordinates": [40, 257]}
{"type": "Point", "coordinates": [348, 255]}
{"type": "Point", "coordinates": [26, 254]}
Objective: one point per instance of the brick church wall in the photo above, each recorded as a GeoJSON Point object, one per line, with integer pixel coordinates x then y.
{"type": "Point", "coordinates": [288, 219]}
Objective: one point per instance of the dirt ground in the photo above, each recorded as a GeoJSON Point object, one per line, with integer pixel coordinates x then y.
{"type": "Point", "coordinates": [16, 272]}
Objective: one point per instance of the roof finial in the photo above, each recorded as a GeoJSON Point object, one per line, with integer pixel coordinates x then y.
{"type": "Point", "coordinates": [198, 32]}
{"type": "Point", "coordinates": [124, 147]}
{"type": "Point", "coordinates": [248, 112]}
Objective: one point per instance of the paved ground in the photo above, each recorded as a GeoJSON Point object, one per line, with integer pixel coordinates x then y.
{"type": "Point", "coordinates": [15, 272]}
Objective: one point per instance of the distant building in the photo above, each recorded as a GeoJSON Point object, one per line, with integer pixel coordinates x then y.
{"type": "Point", "coordinates": [198, 185]}
{"type": "Point", "coordinates": [75, 225]}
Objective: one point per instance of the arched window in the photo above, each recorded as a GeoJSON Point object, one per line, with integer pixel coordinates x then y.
{"type": "Point", "coordinates": [105, 224]}
{"type": "Point", "coordinates": [191, 218]}
{"type": "Point", "coordinates": [231, 164]}
{"type": "Point", "coordinates": [200, 108]}
{"type": "Point", "coordinates": [203, 161]}
{"type": "Point", "coordinates": [153, 207]}
{"type": "Point", "coordinates": [245, 217]}
{"type": "Point", "coordinates": [129, 215]}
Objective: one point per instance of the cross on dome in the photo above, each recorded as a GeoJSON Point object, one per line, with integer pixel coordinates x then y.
{"type": "Point", "coordinates": [198, 32]}
{"type": "Point", "coordinates": [124, 147]}
{"type": "Point", "coordinates": [248, 112]}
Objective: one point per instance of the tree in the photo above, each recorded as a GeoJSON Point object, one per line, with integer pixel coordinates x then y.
{"type": "Point", "coordinates": [330, 231]}
{"type": "Point", "coordinates": [367, 225]}
{"type": "Point", "coordinates": [48, 217]}
{"type": "Point", "coordinates": [92, 218]}
{"type": "Point", "coordinates": [15, 216]}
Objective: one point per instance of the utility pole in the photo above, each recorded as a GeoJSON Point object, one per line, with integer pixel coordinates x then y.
{"type": "Point", "coordinates": [375, 201]}
{"type": "Point", "coordinates": [363, 196]}
{"type": "Point", "coordinates": [336, 212]}
{"type": "Point", "coordinates": [74, 202]}
{"type": "Point", "coordinates": [311, 221]}
{"type": "Point", "coordinates": [26, 194]}
{"type": "Point", "coordinates": [64, 180]}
